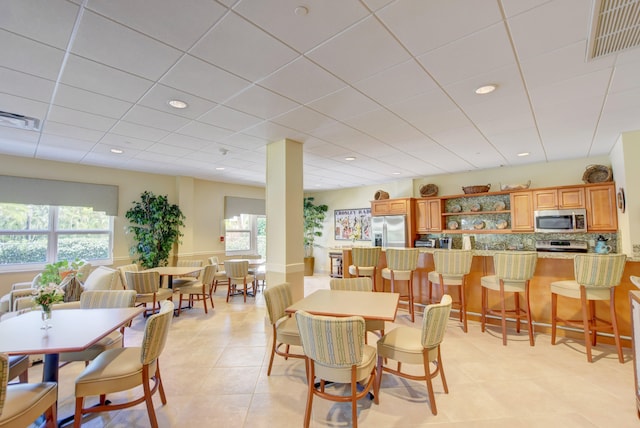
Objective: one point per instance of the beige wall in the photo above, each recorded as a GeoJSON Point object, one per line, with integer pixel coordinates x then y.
{"type": "Point", "coordinates": [624, 160]}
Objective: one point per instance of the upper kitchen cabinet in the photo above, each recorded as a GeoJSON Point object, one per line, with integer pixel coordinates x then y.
{"type": "Point", "coordinates": [428, 215]}
{"type": "Point", "coordinates": [391, 206]}
{"type": "Point", "coordinates": [522, 211]}
{"type": "Point", "coordinates": [601, 208]}
{"type": "Point", "coordinates": [559, 198]}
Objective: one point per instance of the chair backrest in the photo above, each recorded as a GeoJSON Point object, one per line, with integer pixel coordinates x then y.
{"type": "Point", "coordinates": [143, 282]}
{"type": "Point", "coordinates": [123, 270]}
{"type": "Point", "coordinates": [155, 333]}
{"type": "Point", "coordinates": [83, 271]}
{"type": "Point", "coordinates": [452, 262]}
{"type": "Point", "coordinates": [515, 265]}
{"type": "Point", "coordinates": [278, 298]}
{"type": "Point", "coordinates": [237, 269]}
{"type": "Point", "coordinates": [190, 263]}
{"type": "Point", "coordinates": [102, 278]}
{"type": "Point", "coordinates": [434, 322]}
{"type": "Point", "coordinates": [365, 256]}
{"type": "Point", "coordinates": [402, 259]}
{"type": "Point", "coordinates": [4, 379]}
{"type": "Point", "coordinates": [351, 284]}
{"type": "Point", "coordinates": [209, 274]}
{"type": "Point", "coordinates": [94, 299]}
{"type": "Point", "coordinates": [331, 341]}
{"type": "Point", "coordinates": [599, 270]}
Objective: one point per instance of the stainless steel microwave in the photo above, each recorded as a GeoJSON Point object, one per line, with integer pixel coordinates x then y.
{"type": "Point", "coordinates": [561, 221]}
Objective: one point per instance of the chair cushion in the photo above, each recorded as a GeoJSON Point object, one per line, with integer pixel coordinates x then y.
{"type": "Point", "coordinates": [162, 294]}
{"type": "Point", "coordinates": [5, 303]}
{"type": "Point", "coordinates": [403, 344]}
{"type": "Point", "coordinates": [343, 375]}
{"type": "Point", "coordinates": [112, 341]}
{"type": "Point", "coordinates": [399, 275]}
{"type": "Point", "coordinates": [491, 282]}
{"type": "Point", "coordinates": [571, 288]}
{"type": "Point", "coordinates": [25, 402]}
{"type": "Point", "coordinates": [287, 332]}
{"type": "Point", "coordinates": [448, 279]}
{"type": "Point", "coordinates": [362, 270]}
{"type": "Point", "coordinates": [102, 278]}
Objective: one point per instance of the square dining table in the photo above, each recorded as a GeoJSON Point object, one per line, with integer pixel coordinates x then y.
{"type": "Point", "coordinates": [171, 271]}
{"type": "Point", "coordinates": [339, 303]}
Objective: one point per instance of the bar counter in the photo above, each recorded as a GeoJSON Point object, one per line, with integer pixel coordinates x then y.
{"type": "Point", "coordinates": [550, 267]}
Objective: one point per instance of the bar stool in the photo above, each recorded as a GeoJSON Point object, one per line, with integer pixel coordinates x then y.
{"type": "Point", "coordinates": [596, 278]}
{"type": "Point", "coordinates": [401, 263]}
{"type": "Point", "coordinates": [451, 270]}
{"type": "Point", "coordinates": [365, 262]}
{"type": "Point", "coordinates": [513, 270]}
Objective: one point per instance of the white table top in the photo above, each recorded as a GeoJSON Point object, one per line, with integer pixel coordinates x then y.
{"type": "Point", "coordinates": [369, 305]}
{"type": "Point", "coordinates": [72, 330]}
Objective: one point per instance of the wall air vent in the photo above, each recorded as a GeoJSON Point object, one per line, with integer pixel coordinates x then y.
{"type": "Point", "coordinates": [615, 27]}
{"type": "Point", "coordinates": [19, 121]}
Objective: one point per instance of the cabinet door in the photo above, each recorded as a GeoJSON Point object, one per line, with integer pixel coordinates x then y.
{"type": "Point", "coordinates": [398, 206]}
{"type": "Point", "coordinates": [379, 207]}
{"type": "Point", "coordinates": [422, 216]}
{"type": "Point", "coordinates": [571, 198]}
{"type": "Point", "coordinates": [601, 208]}
{"type": "Point", "coordinates": [545, 199]}
{"type": "Point", "coordinates": [522, 211]}
{"type": "Point", "coordinates": [435, 215]}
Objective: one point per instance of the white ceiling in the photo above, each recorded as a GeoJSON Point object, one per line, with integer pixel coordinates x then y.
{"type": "Point", "coordinates": [388, 82]}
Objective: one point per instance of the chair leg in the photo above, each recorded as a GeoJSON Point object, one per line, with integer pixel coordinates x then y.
{"type": "Point", "coordinates": [427, 375]}
{"type": "Point", "coordinates": [529, 320]}
{"type": "Point", "coordinates": [411, 308]}
{"type": "Point", "coordinates": [463, 305]}
{"type": "Point", "coordinates": [51, 416]}
{"type": "Point", "coordinates": [77, 417]}
{"type": "Point", "coordinates": [441, 369]}
{"type": "Point", "coordinates": [516, 302]}
{"type": "Point", "coordinates": [310, 381]}
{"type": "Point", "coordinates": [554, 313]}
{"type": "Point", "coordinates": [179, 304]}
{"type": "Point", "coordinates": [354, 398]}
{"type": "Point", "coordinates": [273, 351]}
{"type": "Point", "coordinates": [614, 324]}
{"type": "Point", "coordinates": [503, 314]}
{"type": "Point", "coordinates": [585, 321]}
{"type": "Point", "coordinates": [483, 316]}
{"type": "Point", "coordinates": [147, 397]}
{"type": "Point", "coordinates": [594, 322]}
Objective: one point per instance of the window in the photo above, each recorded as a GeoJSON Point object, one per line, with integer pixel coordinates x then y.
{"type": "Point", "coordinates": [246, 234]}
{"type": "Point", "coordinates": [32, 235]}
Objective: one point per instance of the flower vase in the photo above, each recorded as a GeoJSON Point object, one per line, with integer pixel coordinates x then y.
{"type": "Point", "coordinates": [46, 317]}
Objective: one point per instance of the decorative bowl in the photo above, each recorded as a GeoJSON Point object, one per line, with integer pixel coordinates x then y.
{"type": "Point", "coordinates": [499, 206]}
{"type": "Point", "coordinates": [476, 189]}
{"type": "Point", "coordinates": [474, 208]}
{"type": "Point", "coordinates": [478, 224]}
{"type": "Point", "coordinates": [456, 209]}
{"type": "Point", "coordinates": [453, 225]}
{"type": "Point", "coordinates": [502, 224]}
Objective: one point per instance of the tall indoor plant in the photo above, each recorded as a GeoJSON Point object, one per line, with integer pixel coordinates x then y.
{"type": "Point", "coordinates": [314, 216]}
{"type": "Point", "coordinates": [155, 224]}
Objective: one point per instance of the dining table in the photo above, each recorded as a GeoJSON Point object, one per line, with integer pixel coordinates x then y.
{"type": "Point", "coordinates": [170, 271]}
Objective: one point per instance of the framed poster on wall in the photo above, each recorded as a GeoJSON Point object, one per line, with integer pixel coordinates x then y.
{"type": "Point", "coordinates": [353, 224]}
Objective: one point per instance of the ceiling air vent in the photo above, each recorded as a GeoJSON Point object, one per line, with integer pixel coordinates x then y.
{"type": "Point", "coordinates": [19, 121]}
{"type": "Point", "coordinates": [615, 27]}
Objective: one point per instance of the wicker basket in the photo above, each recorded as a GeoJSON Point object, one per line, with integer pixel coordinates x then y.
{"type": "Point", "coordinates": [428, 190]}
{"type": "Point", "coordinates": [476, 189]}
{"type": "Point", "coordinates": [597, 174]}
{"type": "Point", "coordinates": [381, 194]}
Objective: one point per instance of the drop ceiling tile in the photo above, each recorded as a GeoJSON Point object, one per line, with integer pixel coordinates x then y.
{"type": "Point", "coordinates": [91, 76]}
{"type": "Point", "coordinates": [63, 130]}
{"type": "Point", "coordinates": [423, 26]}
{"type": "Point", "coordinates": [377, 4]}
{"type": "Point", "coordinates": [625, 77]}
{"type": "Point", "coordinates": [114, 158]}
{"type": "Point", "coordinates": [302, 32]}
{"type": "Point", "coordinates": [185, 141]}
{"type": "Point", "coordinates": [25, 85]}
{"type": "Point", "coordinates": [269, 131]}
{"type": "Point", "coordinates": [141, 132]}
{"type": "Point", "coordinates": [79, 99]}
{"type": "Point", "coordinates": [204, 80]}
{"type": "Point", "coordinates": [156, 119]}
{"type": "Point", "coordinates": [302, 81]}
{"type": "Point", "coordinates": [225, 117]}
{"type": "Point", "coordinates": [78, 145]}
{"type": "Point", "coordinates": [23, 106]}
{"type": "Point", "coordinates": [384, 126]}
{"type": "Point", "coordinates": [261, 54]}
{"type": "Point", "coordinates": [59, 153]}
{"type": "Point", "coordinates": [398, 83]}
{"type": "Point", "coordinates": [362, 51]}
{"type": "Point", "coordinates": [204, 131]}
{"type": "Point", "coordinates": [167, 149]}
{"type": "Point", "coordinates": [125, 142]}
{"type": "Point", "coordinates": [579, 88]}
{"type": "Point", "coordinates": [48, 22]}
{"type": "Point", "coordinates": [18, 142]}
{"type": "Point", "coordinates": [158, 98]}
{"type": "Point", "coordinates": [107, 42]}
{"type": "Point", "coordinates": [303, 119]}
{"type": "Point", "coordinates": [261, 102]}
{"type": "Point", "coordinates": [516, 7]}
{"type": "Point", "coordinates": [75, 117]}
{"type": "Point", "coordinates": [190, 19]}
{"type": "Point", "coordinates": [28, 56]}
{"type": "Point", "coordinates": [345, 103]}
{"type": "Point", "coordinates": [244, 142]}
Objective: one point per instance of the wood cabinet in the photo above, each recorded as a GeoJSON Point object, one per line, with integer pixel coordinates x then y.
{"type": "Point", "coordinates": [601, 208]}
{"type": "Point", "coordinates": [428, 215]}
{"type": "Point", "coordinates": [560, 198]}
{"type": "Point", "coordinates": [522, 211]}
{"type": "Point", "coordinates": [390, 206]}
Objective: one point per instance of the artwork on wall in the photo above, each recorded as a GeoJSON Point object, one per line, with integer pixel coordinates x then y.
{"type": "Point", "coordinates": [353, 224]}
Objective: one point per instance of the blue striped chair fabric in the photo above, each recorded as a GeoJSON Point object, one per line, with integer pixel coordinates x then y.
{"type": "Point", "coordinates": [402, 259]}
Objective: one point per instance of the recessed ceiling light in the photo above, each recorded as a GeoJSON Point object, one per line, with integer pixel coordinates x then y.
{"type": "Point", "coordinates": [220, 168]}
{"type": "Point", "coordinates": [178, 104]}
{"type": "Point", "coordinates": [523, 154]}
{"type": "Point", "coordinates": [117, 151]}
{"type": "Point", "coordinates": [301, 11]}
{"type": "Point", "coordinates": [395, 173]}
{"type": "Point", "coordinates": [487, 89]}
{"type": "Point", "coordinates": [350, 158]}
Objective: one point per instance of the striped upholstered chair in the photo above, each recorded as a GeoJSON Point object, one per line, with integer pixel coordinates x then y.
{"type": "Point", "coordinates": [122, 271]}
{"type": "Point", "coordinates": [359, 284]}
{"type": "Point", "coordinates": [413, 346]}
{"type": "Point", "coordinates": [401, 264]}
{"type": "Point", "coordinates": [336, 353]}
{"type": "Point", "coordinates": [513, 270]}
{"type": "Point", "coordinates": [364, 262]}
{"type": "Point", "coordinates": [596, 278]}
{"type": "Point", "coordinates": [147, 287]}
{"type": "Point", "coordinates": [123, 369]}
{"type": "Point", "coordinates": [238, 274]}
{"type": "Point", "coordinates": [200, 289]}
{"type": "Point", "coordinates": [285, 330]}
{"type": "Point", "coordinates": [451, 270]}
{"type": "Point", "coordinates": [190, 278]}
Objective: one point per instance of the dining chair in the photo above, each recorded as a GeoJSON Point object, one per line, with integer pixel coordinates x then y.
{"type": "Point", "coordinates": [285, 330]}
{"type": "Point", "coordinates": [401, 265]}
{"type": "Point", "coordinates": [22, 403]}
{"type": "Point", "coordinates": [19, 368]}
{"type": "Point", "coordinates": [199, 289]}
{"type": "Point", "coordinates": [147, 287]}
{"type": "Point", "coordinates": [190, 278]}
{"type": "Point", "coordinates": [451, 270]}
{"type": "Point", "coordinates": [359, 284]}
{"type": "Point", "coordinates": [238, 274]}
{"type": "Point", "coordinates": [596, 278]}
{"type": "Point", "coordinates": [513, 271]}
{"type": "Point", "coordinates": [98, 299]}
{"type": "Point", "coordinates": [122, 270]}
{"type": "Point", "coordinates": [417, 346]}
{"type": "Point", "coordinates": [336, 353]}
{"type": "Point", "coordinates": [260, 274]}
{"type": "Point", "coordinates": [221, 275]}
{"type": "Point", "coordinates": [365, 262]}
{"type": "Point", "coordinates": [123, 369]}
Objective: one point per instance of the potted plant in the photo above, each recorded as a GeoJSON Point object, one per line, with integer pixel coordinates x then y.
{"type": "Point", "coordinates": [155, 224]}
{"type": "Point", "coordinates": [314, 216]}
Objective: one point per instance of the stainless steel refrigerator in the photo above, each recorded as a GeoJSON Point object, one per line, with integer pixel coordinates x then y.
{"type": "Point", "coordinates": [389, 231]}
